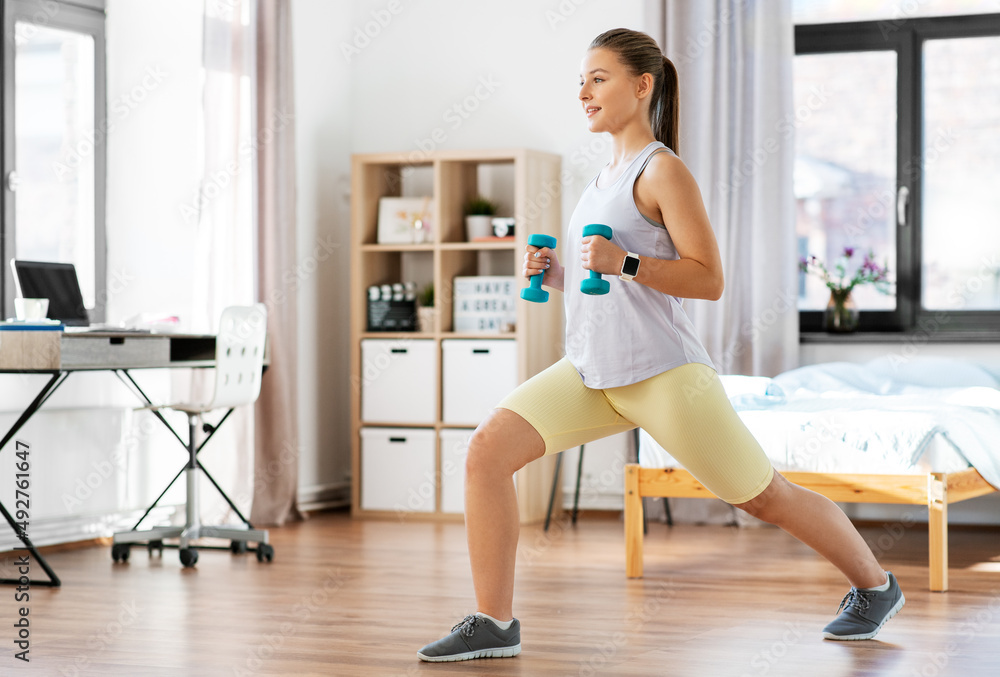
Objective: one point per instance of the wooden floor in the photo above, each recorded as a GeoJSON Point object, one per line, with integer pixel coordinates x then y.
{"type": "Point", "coordinates": [346, 597]}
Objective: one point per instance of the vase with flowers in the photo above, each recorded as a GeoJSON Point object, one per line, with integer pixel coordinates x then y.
{"type": "Point", "coordinates": [841, 313]}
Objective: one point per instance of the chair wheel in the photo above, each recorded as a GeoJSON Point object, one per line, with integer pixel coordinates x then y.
{"type": "Point", "coordinates": [189, 556]}
{"type": "Point", "coordinates": [156, 546]}
{"type": "Point", "coordinates": [265, 552]}
{"type": "Point", "coordinates": [238, 547]}
{"type": "Point", "coordinates": [120, 552]}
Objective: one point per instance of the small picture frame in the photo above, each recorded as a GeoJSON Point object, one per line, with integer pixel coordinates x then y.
{"type": "Point", "coordinates": [404, 220]}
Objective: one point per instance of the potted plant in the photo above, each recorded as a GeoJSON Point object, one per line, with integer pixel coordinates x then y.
{"type": "Point", "coordinates": [479, 213]}
{"type": "Point", "coordinates": [426, 312]}
{"type": "Point", "coordinates": [841, 314]}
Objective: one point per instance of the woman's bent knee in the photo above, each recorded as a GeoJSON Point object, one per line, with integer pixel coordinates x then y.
{"type": "Point", "coordinates": [503, 443]}
{"type": "Point", "coordinates": [484, 455]}
{"type": "Point", "coordinates": [770, 504]}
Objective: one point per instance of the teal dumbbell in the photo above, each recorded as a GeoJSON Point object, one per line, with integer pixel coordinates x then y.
{"type": "Point", "coordinates": [595, 284]}
{"type": "Point", "coordinates": [534, 292]}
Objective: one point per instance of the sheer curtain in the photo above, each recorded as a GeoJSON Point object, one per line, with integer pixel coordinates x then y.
{"type": "Point", "coordinates": [734, 61]}
{"type": "Point", "coordinates": [246, 234]}
{"type": "Point", "coordinates": [223, 249]}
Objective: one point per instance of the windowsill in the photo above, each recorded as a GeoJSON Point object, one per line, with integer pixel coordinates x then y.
{"type": "Point", "coordinates": [901, 337]}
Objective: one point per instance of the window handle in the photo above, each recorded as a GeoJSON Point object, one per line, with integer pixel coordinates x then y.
{"type": "Point", "coordinates": [13, 181]}
{"type": "Point", "coordinates": [902, 202]}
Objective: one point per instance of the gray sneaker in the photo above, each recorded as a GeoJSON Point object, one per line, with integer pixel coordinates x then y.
{"type": "Point", "coordinates": [865, 612]}
{"type": "Point", "coordinates": [475, 637]}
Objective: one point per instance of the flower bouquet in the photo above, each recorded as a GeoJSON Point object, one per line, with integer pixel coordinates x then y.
{"type": "Point", "coordinates": [841, 314]}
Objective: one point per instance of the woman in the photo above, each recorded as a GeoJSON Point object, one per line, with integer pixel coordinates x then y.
{"type": "Point", "coordinates": [635, 360]}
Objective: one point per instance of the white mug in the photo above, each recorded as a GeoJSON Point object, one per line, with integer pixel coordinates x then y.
{"type": "Point", "coordinates": [31, 309]}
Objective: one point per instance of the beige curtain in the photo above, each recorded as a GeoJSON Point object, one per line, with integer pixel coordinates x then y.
{"type": "Point", "coordinates": [276, 426]}
{"type": "Point", "coordinates": [734, 61]}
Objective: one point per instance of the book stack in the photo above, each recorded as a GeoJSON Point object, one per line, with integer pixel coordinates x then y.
{"type": "Point", "coordinates": [32, 325]}
{"type": "Point", "coordinates": [30, 344]}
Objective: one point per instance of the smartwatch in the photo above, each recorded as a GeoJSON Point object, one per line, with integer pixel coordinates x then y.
{"type": "Point", "coordinates": [630, 267]}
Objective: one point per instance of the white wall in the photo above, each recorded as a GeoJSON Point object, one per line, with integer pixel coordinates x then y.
{"type": "Point", "coordinates": [511, 68]}
{"type": "Point", "coordinates": [323, 117]}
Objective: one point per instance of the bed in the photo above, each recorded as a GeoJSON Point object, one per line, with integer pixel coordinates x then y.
{"type": "Point", "coordinates": [917, 431]}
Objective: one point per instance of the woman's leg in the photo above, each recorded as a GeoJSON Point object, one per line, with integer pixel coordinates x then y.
{"type": "Point", "coordinates": [548, 413]}
{"type": "Point", "coordinates": [501, 445]}
{"type": "Point", "coordinates": [687, 412]}
{"type": "Point", "coordinates": [821, 524]}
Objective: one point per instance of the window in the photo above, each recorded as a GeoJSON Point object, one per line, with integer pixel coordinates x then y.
{"type": "Point", "coordinates": [898, 152]}
{"type": "Point", "coordinates": [960, 242]}
{"type": "Point", "coordinates": [830, 11]}
{"type": "Point", "coordinates": [53, 139]}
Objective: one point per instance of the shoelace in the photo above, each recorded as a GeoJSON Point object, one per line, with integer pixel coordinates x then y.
{"type": "Point", "coordinates": [855, 598]}
{"type": "Point", "coordinates": [468, 625]}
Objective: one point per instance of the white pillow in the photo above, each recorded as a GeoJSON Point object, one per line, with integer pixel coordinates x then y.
{"type": "Point", "coordinates": [738, 384]}
{"type": "Point", "coordinates": [932, 372]}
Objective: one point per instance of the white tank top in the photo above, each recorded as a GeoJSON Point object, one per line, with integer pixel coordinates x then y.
{"type": "Point", "coordinates": [633, 332]}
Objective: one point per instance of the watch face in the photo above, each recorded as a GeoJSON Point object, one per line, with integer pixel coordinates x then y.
{"type": "Point", "coordinates": [631, 266]}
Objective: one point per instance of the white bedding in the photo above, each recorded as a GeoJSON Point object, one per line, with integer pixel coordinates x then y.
{"type": "Point", "coordinates": [885, 416]}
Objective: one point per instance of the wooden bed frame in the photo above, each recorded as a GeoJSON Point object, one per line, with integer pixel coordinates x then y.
{"type": "Point", "coordinates": [935, 490]}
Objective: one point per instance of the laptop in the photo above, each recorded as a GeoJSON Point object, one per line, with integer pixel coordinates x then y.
{"type": "Point", "coordinates": [58, 283]}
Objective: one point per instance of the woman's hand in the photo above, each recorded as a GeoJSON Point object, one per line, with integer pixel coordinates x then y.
{"type": "Point", "coordinates": [601, 255]}
{"type": "Point", "coordinates": [543, 259]}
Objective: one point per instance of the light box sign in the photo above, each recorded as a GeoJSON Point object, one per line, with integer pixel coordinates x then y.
{"type": "Point", "coordinates": [485, 303]}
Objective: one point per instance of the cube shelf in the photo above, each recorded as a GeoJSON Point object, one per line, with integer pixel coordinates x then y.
{"type": "Point", "coordinates": [526, 185]}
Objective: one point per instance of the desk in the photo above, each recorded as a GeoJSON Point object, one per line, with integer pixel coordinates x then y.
{"type": "Point", "coordinates": [60, 354]}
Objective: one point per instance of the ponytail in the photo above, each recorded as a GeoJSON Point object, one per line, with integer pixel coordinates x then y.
{"type": "Point", "coordinates": [639, 53]}
{"type": "Point", "coordinates": [665, 111]}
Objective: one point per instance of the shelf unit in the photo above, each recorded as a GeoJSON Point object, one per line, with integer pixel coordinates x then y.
{"type": "Point", "coordinates": [527, 185]}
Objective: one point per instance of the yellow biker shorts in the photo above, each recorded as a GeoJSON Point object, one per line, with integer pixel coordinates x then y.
{"type": "Point", "coordinates": [684, 409]}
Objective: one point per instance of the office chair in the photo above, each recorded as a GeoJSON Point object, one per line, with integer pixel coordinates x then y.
{"type": "Point", "coordinates": [579, 474]}
{"type": "Point", "coordinates": [239, 359]}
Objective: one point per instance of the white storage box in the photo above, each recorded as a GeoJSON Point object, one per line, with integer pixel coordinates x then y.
{"type": "Point", "coordinates": [397, 469]}
{"type": "Point", "coordinates": [398, 381]}
{"type": "Point", "coordinates": [454, 449]}
{"type": "Point", "coordinates": [477, 375]}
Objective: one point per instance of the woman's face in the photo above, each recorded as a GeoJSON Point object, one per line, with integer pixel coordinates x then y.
{"type": "Point", "coordinates": [610, 96]}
